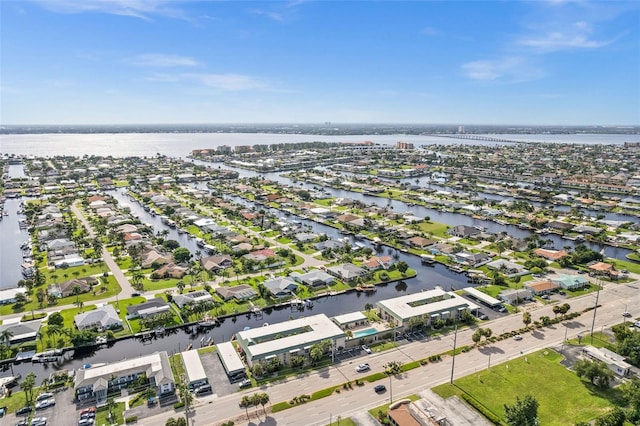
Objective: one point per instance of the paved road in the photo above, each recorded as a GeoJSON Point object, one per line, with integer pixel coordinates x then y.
{"type": "Point", "coordinates": [125, 285]}
{"type": "Point", "coordinates": [614, 298]}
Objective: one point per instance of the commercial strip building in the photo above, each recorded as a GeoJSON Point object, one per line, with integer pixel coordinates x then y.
{"type": "Point", "coordinates": [425, 306]}
{"type": "Point", "coordinates": [95, 383]}
{"type": "Point", "coordinates": [194, 370]}
{"type": "Point", "coordinates": [289, 338]}
{"type": "Point", "coordinates": [490, 301]}
{"type": "Point", "coordinates": [614, 361]}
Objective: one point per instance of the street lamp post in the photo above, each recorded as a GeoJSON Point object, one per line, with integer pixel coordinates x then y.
{"type": "Point", "coordinates": [595, 308]}
{"type": "Point", "coordinates": [453, 361]}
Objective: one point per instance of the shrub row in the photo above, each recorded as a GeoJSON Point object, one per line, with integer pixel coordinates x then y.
{"type": "Point", "coordinates": [131, 419]}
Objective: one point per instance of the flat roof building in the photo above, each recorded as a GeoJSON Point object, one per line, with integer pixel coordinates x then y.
{"type": "Point", "coordinates": [288, 338]}
{"type": "Point", "coordinates": [426, 306]}
{"type": "Point", "coordinates": [614, 361]}
{"type": "Point", "coordinates": [231, 361]}
{"type": "Point", "coordinates": [94, 383]}
{"type": "Point", "coordinates": [194, 369]}
{"type": "Point", "coordinates": [490, 301]}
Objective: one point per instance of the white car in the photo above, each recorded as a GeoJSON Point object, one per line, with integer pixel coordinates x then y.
{"type": "Point", "coordinates": [517, 337]}
{"type": "Point", "coordinates": [366, 349]}
{"type": "Point", "coordinates": [43, 396]}
{"type": "Point", "coordinates": [40, 405]}
{"type": "Point", "coordinates": [362, 367]}
{"type": "Point", "coordinates": [39, 421]}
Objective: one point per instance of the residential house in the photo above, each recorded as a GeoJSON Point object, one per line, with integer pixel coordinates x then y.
{"type": "Point", "coordinates": [419, 242]}
{"type": "Point", "coordinates": [552, 255]}
{"type": "Point", "coordinates": [104, 317]}
{"type": "Point", "coordinates": [169, 270]}
{"type": "Point", "coordinates": [240, 292]}
{"type": "Point", "coordinates": [510, 269]}
{"type": "Point", "coordinates": [346, 272]}
{"type": "Point", "coordinates": [514, 296]}
{"type": "Point", "coordinates": [464, 231]}
{"type": "Point", "coordinates": [570, 282]}
{"type": "Point", "coordinates": [471, 259]}
{"type": "Point", "coordinates": [148, 309]}
{"type": "Point", "coordinates": [260, 255]}
{"type": "Point", "coordinates": [281, 286]}
{"type": "Point", "coordinates": [216, 262]}
{"type": "Point", "coordinates": [194, 297]}
{"type": "Point", "coordinates": [375, 263]}
{"type": "Point", "coordinates": [66, 288]}
{"type": "Point", "coordinates": [314, 278]}
{"type": "Point", "coordinates": [539, 288]}
{"type": "Point", "coordinates": [22, 331]}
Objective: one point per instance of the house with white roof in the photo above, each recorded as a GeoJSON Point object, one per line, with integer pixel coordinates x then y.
{"type": "Point", "coordinates": [105, 317]}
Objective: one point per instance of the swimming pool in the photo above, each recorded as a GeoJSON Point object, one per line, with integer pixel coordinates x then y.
{"type": "Point", "coordinates": [365, 332]}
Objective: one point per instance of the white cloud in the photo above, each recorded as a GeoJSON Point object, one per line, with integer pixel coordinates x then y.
{"type": "Point", "coordinates": [512, 69]}
{"type": "Point", "coordinates": [142, 9]}
{"type": "Point", "coordinates": [229, 82]}
{"type": "Point", "coordinates": [163, 61]}
{"type": "Point", "coordinates": [275, 16]}
{"type": "Point", "coordinates": [576, 36]}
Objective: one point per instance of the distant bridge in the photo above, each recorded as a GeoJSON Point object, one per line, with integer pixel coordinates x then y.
{"type": "Point", "coordinates": [480, 138]}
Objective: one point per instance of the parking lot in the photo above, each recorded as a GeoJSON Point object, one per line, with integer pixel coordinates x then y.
{"type": "Point", "coordinates": [63, 413]}
{"type": "Point", "coordinates": [217, 375]}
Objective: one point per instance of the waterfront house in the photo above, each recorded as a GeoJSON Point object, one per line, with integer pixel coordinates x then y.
{"type": "Point", "coordinates": [8, 296]}
{"type": "Point", "coordinates": [464, 231]}
{"type": "Point", "coordinates": [314, 278]}
{"type": "Point", "coordinates": [471, 259]}
{"type": "Point", "coordinates": [375, 263]}
{"type": "Point", "coordinates": [281, 286]}
{"type": "Point", "coordinates": [104, 317]}
{"type": "Point", "coordinates": [150, 255]}
{"type": "Point", "coordinates": [194, 297]}
{"type": "Point", "coordinates": [22, 331]}
{"type": "Point", "coordinates": [347, 272]}
{"type": "Point", "coordinates": [419, 242]}
{"type": "Point", "coordinates": [510, 269]}
{"type": "Point", "coordinates": [147, 309]}
{"type": "Point", "coordinates": [286, 339]}
{"type": "Point", "coordinates": [240, 292]}
{"type": "Point", "coordinates": [92, 384]}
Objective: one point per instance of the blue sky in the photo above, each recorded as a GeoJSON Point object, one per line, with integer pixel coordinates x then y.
{"type": "Point", "coordinates": [455, 62]}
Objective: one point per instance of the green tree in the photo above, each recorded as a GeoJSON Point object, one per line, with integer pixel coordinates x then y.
{"type": "Point", "coordinates": [263, 399]}
{"type": "Point", "coordinates": [596, 372]}
{"type": "Point", "coordinates": [55, 318]}
{"type": "Point", "coordinates": [181, 255]}
{"type": "Point", "coordinates": [526, 318]}
{"type": "Point", "coordinates": [524, 412]}
{"type": "Point", "coordinates": [614, 417]}
{"type": "Point", "coordinates": [402, 267]}
{"type": "Point", "coordinates": [245, 403]}
{"type": "Point", "coordinates": [6, 336]}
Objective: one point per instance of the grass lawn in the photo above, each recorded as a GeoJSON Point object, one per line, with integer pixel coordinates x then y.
{"type": "Point", "coordinates": [629, 266]}
{"type": "Point", "coordinates": [564, 398]}
{"type": "Point", "coordinates": [339, 421]}
{"type": "Point", "coordinates": [435, 228]}
{"type": "Point", "coordinates": [102, 415]}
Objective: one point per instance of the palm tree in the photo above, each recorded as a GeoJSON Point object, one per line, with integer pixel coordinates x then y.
{"type": "Point", "coordinates": [392, 368]}
{"type": "Point", "coordinates": [6, 336]}
{"type": "Point", "coordinates": [246, 402]}
{"type": "Point", "coordinates": [27, 386]}
{"type": "Point", "coordinates": [263, 399]}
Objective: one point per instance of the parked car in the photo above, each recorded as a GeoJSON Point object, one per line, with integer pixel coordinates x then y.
{"type": "Point", "coordinates": [362, 367]}
{"type": "Point", "coordinates": [44, 396]}
{"type": "Point", "coordinates": [380, 388]}
{"type": "Point", "coordinates": [366, 349]}
{"type": "Point", "coordinates": [545, 296]}
{"type": "Point", "coordinates": [41, 405]}
{"type": "Point", "coordinates": [517, 337]}
{"type": "Point", "coordinates": [22, 423]}
{"type": "Point", "coordinates": [204, 390]}
{"type": "Point", "coordinates": [23, 410]}
{"type": "Point", "coordinates": [39, 421]}
{"type": "Point", "coordinates": [562, 293]}
{"type": "Point", "coordinates": [85, 422]}
{"type": "Point", "coordinates": [246, 383]}
{"type": "Point", "coordinates": [88, 410]}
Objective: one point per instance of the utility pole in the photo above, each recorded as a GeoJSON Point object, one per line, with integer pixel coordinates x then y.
{"type": "Point", "coordinates": [453, 361]}
{"type": "Point", "coordinates": [595, 308]}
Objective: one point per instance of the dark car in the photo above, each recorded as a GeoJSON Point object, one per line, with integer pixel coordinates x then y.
{"type": "Point", "coordinates": [24, 410]}
{"type": "Point", "coordinates": [380, 388]}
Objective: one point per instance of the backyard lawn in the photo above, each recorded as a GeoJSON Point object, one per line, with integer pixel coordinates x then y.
{"type": "Point", "coordinates": [564, 398]}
